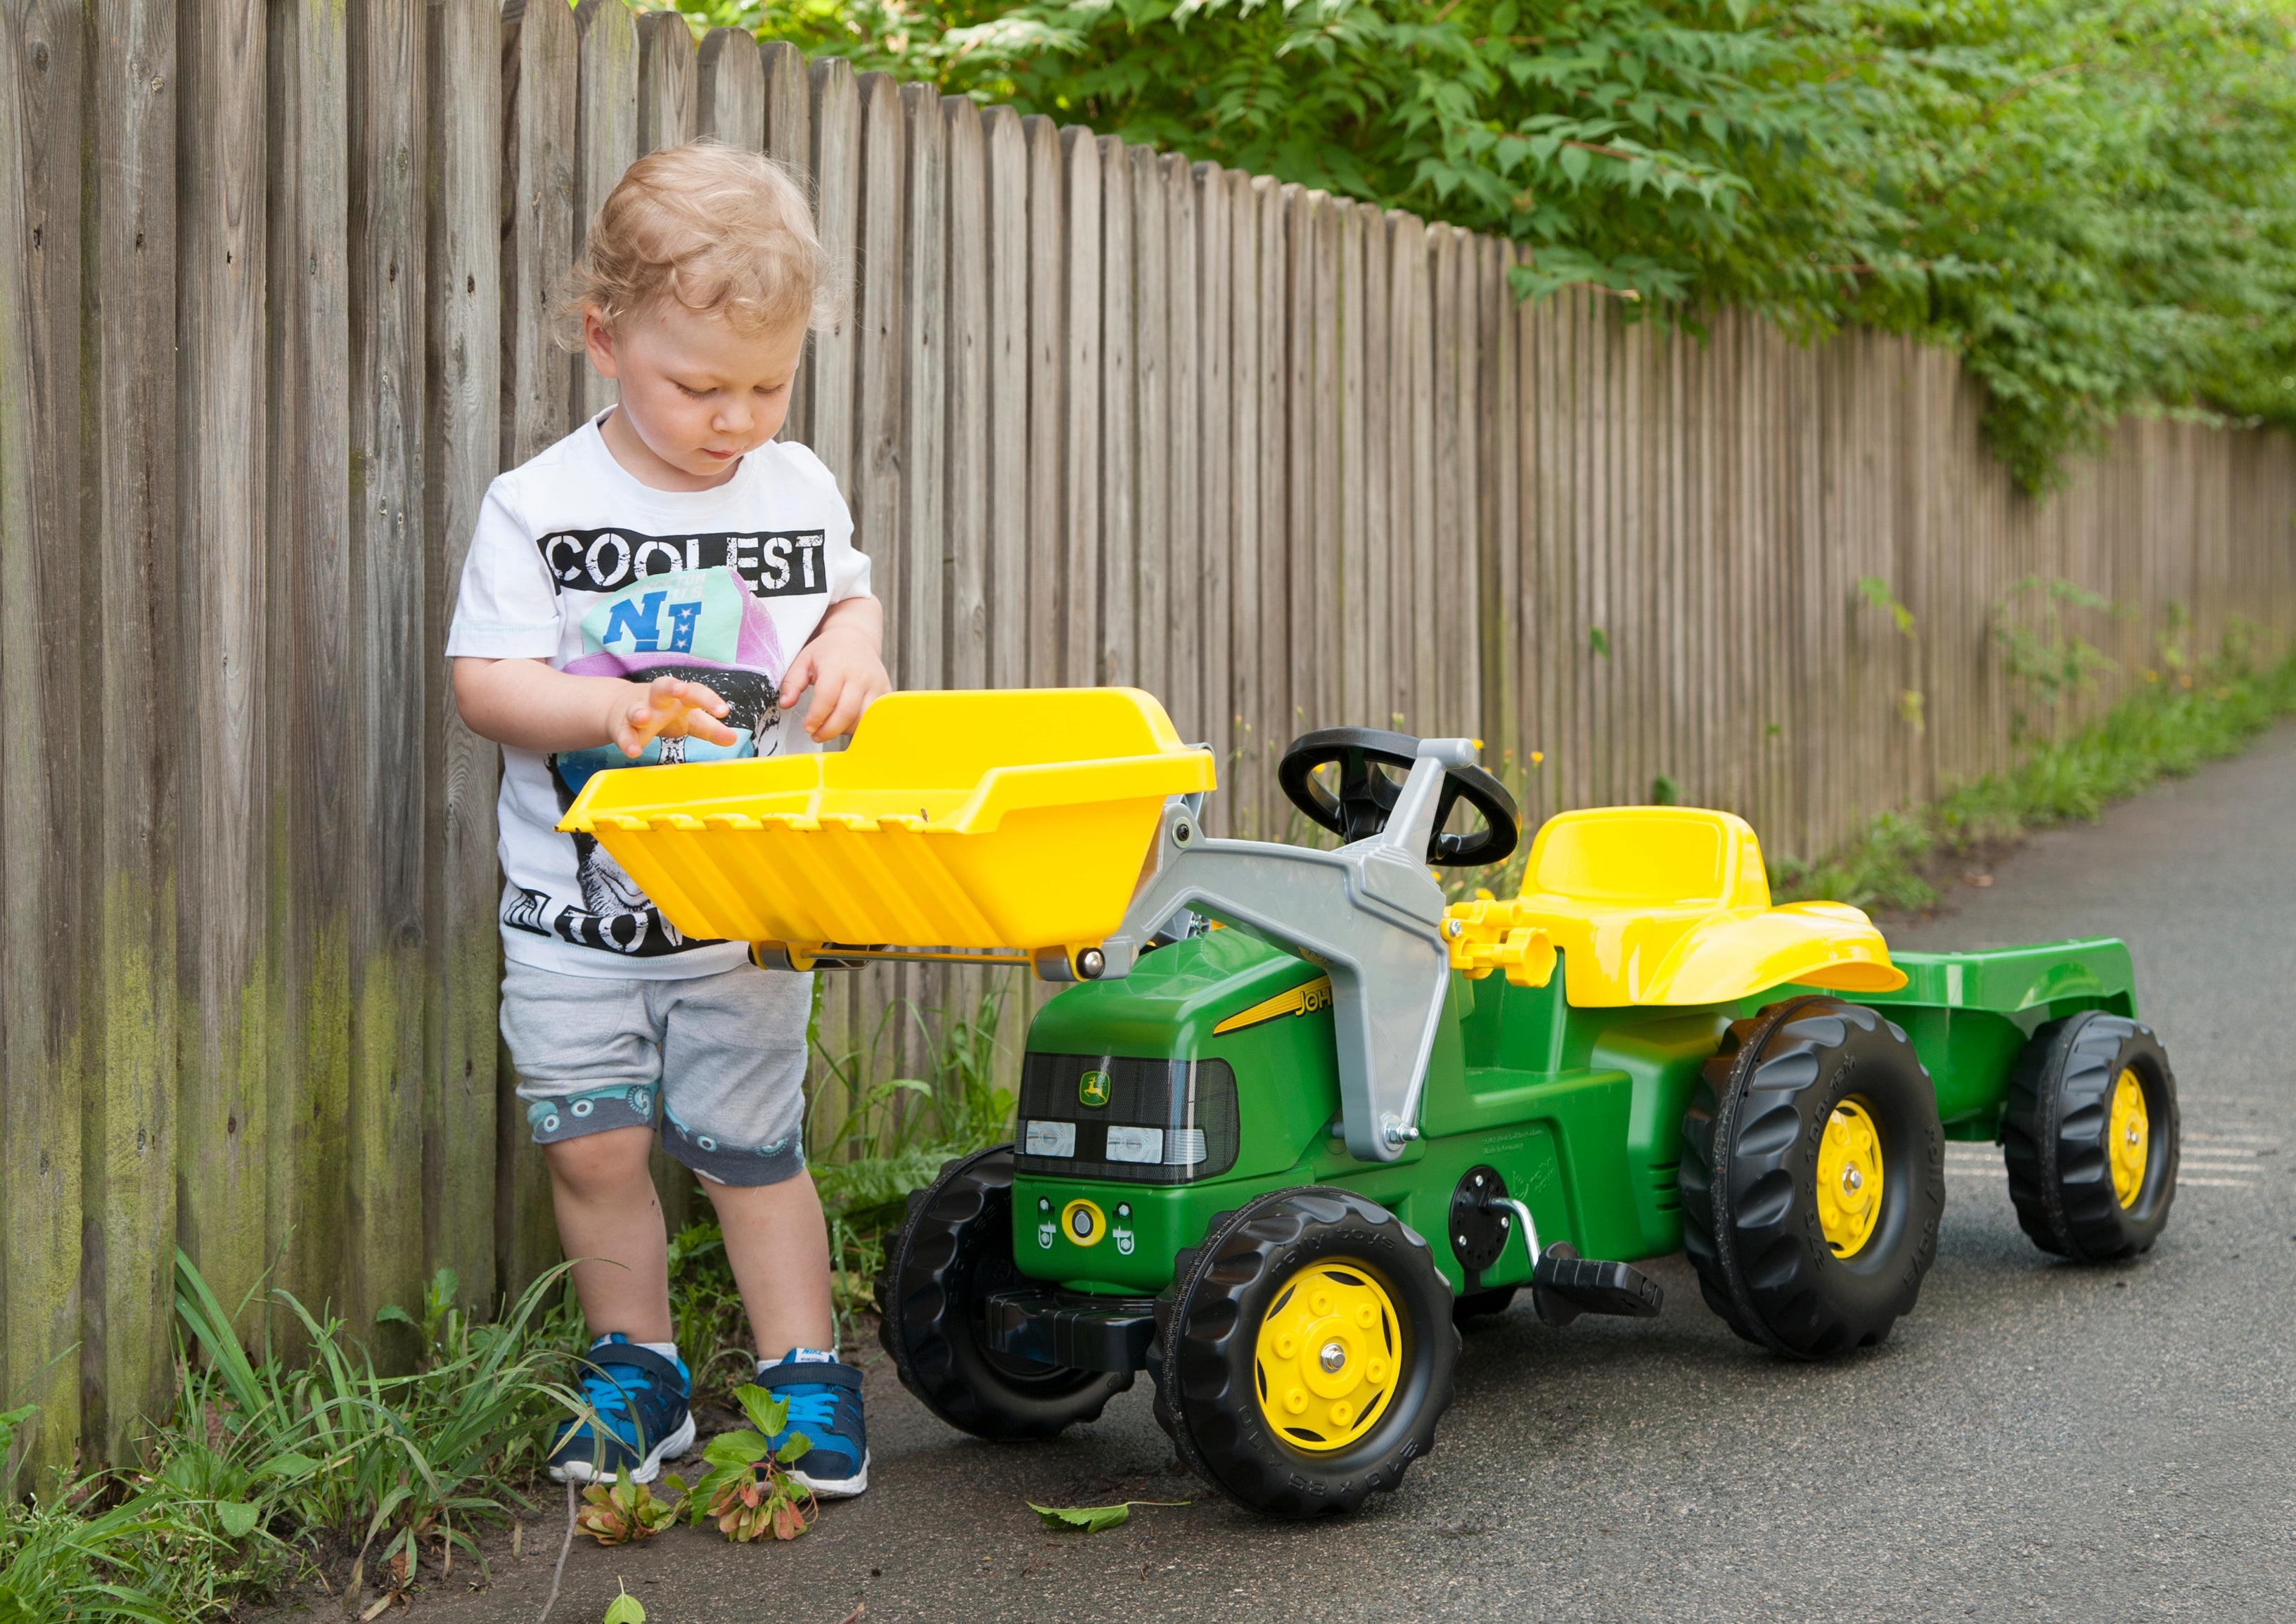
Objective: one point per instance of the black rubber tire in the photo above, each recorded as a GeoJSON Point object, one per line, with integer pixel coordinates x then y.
{"type": "Point", "coordinates": [2052, 1133]}
{"type": "Point", "coordinates": [1750, 1173]}
{"type": "Point", "coordinates": [1478, 1305]}
{"type": "Point", "coordinates": [1207, 1397]}
{"type": "Point", "coordinates": [956, 1245]}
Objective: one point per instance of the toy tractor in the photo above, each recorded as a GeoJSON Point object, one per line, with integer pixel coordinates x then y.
{"type": "Point", "coordinates": [1297, 1116]}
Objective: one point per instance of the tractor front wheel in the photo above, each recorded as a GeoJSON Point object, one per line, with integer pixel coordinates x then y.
{"type": "Point", "coordinates": [956, 1248]}
{"type": "Point", "coordinates": [1308, 1349]}
{"type": "Point", "coordinates": [2089, 1134]}
{"type": "Point", "coordinates": [1813, 1178]}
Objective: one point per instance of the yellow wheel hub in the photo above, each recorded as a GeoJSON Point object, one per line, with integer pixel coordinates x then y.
{"type": "Point", "coordinates": [2128, 1131]}
{"type": "Point", "coordinates": [1848, 1179]}
{"type": "Point", "coordinates": [1330, 1354]}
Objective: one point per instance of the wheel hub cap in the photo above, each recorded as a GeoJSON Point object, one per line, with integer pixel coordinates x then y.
{"type": "Point", "coordinates": [2128, 1137]}
{"type": "Point", "coordinates": [1849, 1178]}
{"type": "Point", "coordinates": [1328, 1357]}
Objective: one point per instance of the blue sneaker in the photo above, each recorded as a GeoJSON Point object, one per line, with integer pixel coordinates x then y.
{"type": "Point", "coordinates": [640, 1398]}
{"type": "Point", "coordinates": [824, 1404]}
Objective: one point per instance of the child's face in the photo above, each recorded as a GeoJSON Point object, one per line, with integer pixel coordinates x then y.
{"type": "Point", "coordinates": [697, 393]}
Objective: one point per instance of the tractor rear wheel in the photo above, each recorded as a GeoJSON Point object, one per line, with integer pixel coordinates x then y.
{"type": "Point", "coordinates": [1308, 1349]}
{"type": "Point", "coordinates": [1813, 1178]}
{"type": "Point", "coordinates": [2090, 1136]}
{"type": "Point", "coordinates": [956, 1248]}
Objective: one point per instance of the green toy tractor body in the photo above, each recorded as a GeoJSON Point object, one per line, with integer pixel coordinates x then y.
{"type": "Point", "coordinates": [1580, 1111]}
{"type": "Point", "coordinates": [1300, 1125]}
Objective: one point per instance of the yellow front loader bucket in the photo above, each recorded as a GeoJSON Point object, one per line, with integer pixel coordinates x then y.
{"type": "Point", "coordinates": [1016, 820]}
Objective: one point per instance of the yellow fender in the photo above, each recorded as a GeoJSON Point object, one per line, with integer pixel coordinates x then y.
{"type": "Point", "coordinates": [1733, 955]}
{"type": "Point", "coordinates": [1662, 905]}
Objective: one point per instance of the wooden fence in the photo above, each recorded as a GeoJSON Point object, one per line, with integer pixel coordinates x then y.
{"type": "Point", "coordinates": [273, 315]}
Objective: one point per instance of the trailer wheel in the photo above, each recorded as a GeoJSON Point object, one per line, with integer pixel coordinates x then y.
{"type": "Point", "coordinates": [956, 1248]}
{"type": "Point", "coordinates": [1307, 1353]}
{"type": "Point", "coordinates": [2090, 1135]}
{"type": "Point", "coordinates": [1813, 1178]}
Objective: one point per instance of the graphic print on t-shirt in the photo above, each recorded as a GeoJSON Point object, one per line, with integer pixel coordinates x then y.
{"type": "Point", "coordinates": [770, 563]}
{"type": "Point", "coordinates": [704, 626]}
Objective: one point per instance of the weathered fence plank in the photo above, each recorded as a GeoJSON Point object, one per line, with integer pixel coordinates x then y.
{"type": "Point", "coordinates": [126, 1179]}
{"type": "Point", "coordinates": [1210, 428]}
{"type": "Point", "coordinates": [1147, 271]}
{"type": "Point", "coordinates": [389, 771]}
{"type": "Point", "coordinates": [543, 61]}
{"type": "Point", "coordinates": [1115, 543]}
{"type": "Point", "coordinates": [606, 142]}
{"type": "Point", "coordinates": [1004, 409]}
{"type": "Point", "coordinates": [1080, 273]}
{"type": "Point", "coordinates": [41, 1160]}
{"type": "Point", "coordinates": [786, 122]}
{"type": "Point", "coordinates": [223, 886]}
{"type": "Point", "coordinates": [1047, 353]}
{"type": "Point", "coordinates": [668, 95]}
{"type": "Point", "coordinates": [730, 91]}
{"type": "Point", "coordinates": [463, 371]}
{"type": "Point", "coordinates": [1190, 588]}
{"type": "Point", "coordinates": [308, 611]}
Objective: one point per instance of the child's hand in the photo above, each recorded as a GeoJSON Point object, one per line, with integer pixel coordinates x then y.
{"type": "Point", "coordinates": [670, 707]}
{"type": "Point", "coordinates": [847, 676]}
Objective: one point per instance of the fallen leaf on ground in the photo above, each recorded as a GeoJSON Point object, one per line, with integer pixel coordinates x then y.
{"type": "Point", "coordinates": [1093, 1519]}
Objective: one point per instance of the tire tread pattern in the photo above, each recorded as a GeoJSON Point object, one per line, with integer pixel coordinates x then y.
{"type": "Point", "coordinates": [1208, 1341]}
{"type": "Point", "coordinates": [924, 1321]}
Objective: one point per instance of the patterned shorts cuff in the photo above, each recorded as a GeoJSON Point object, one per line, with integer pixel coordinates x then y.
{"type": "Point", "coordinates": [733, 1164]}
{"type": "Point", "coordinates": [594, 1111]}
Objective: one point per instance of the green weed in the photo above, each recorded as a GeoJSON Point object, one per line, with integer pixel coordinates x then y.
{"type": "Point", "coordinates": [394, 1466]}
{"type": "Point", "coordinates": [94, 1552]}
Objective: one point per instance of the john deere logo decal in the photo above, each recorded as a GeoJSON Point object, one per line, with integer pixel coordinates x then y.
{"type": "Point", "coordinates": [1092, 1089]}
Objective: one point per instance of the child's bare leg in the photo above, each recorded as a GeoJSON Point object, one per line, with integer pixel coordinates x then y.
{"type": "Point", "coordinates": [610, 1220]}
{"type": "Point", "coordinates": [778, 1244]}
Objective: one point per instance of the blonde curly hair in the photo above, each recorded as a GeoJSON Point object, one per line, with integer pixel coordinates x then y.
{"type": "Point", "coordinates": [717, 230]}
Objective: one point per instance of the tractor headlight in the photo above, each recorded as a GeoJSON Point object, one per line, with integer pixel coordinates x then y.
{"type": "Point", "coordinates": [1141, 1121]}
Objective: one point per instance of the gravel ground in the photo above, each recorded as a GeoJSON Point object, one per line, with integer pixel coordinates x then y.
{"type": "Point", "coordinates": [2037, 1441]}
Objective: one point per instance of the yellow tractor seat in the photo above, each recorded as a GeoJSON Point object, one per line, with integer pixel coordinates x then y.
{"type": "Point", "coordinates": [1671, 905]}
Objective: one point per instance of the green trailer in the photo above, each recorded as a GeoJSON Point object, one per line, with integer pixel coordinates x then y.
{"type": "Point", "coordinates": [1298, 1116]}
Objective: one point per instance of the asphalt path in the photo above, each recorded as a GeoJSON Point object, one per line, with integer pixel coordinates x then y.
{"type": "Point", "coordinates": [2037, 1441]}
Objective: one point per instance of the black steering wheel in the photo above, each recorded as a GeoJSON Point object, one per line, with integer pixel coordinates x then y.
{"type": "Point", "coordinates": [1367, 795]}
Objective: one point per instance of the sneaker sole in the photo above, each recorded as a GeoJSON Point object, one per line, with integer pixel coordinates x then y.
{"type": "Point", "coordinates": [836, 1489]}
{"type": "Point", "coordinates": [676, 1444]}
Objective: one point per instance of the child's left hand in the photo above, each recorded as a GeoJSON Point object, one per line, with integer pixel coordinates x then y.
{"type": "Point", "coordinates": [842, 667]}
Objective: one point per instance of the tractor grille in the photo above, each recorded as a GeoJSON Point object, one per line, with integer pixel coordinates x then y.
{"type": "Point", "coordinates": [1143, 1122]}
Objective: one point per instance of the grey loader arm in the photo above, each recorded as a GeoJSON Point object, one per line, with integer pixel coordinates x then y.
{"type": "Point", "coordinates": [1369, 914]}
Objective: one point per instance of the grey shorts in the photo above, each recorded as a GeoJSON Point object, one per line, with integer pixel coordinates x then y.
{"type": "Point", "coordinates": [717, 1061]}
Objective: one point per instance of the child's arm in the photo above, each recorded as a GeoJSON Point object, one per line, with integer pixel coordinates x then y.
{"type": "Point", "coordinates": [843, 665]}
{"type": "Point", "coordinates": [526, 704]}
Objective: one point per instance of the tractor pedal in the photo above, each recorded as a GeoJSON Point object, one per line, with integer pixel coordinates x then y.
{"type": "Point", "coordinates": [1565, 1285]}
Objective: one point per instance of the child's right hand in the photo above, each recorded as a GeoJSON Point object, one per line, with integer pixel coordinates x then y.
{"type": "Point", "coordinates": [668, 706]}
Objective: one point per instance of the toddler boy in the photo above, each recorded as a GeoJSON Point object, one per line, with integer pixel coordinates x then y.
{"type": "Point", "coordinates": [664, 585]}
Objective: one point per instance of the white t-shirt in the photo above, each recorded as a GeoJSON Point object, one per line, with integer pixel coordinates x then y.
{"type": "Point", "coordinates": [576, 562]}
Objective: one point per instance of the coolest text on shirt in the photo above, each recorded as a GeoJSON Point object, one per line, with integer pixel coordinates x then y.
{"type": "Point", "coordinates": [775, 563]}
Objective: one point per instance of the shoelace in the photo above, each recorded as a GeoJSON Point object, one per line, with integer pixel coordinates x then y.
{"type": "Point", "coordinates": [812, 1410]}
{"type": "Point", "coordinates": [607, 1395]}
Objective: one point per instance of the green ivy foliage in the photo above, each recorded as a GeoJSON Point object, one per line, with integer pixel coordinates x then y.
{"type": "Point", "coordinates": [2093, 201]}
